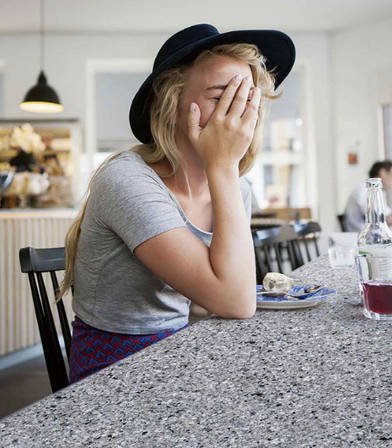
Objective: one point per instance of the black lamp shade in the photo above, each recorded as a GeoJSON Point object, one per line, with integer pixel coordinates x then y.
{"type": "Point", "coordinates": [42, 98]}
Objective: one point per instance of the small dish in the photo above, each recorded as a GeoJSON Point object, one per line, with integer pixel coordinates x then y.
{"type": "Point", "coordinates": [282, 303]}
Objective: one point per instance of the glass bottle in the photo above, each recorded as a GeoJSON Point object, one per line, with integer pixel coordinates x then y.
{"type": "Point", "coordinates": [376, 236]}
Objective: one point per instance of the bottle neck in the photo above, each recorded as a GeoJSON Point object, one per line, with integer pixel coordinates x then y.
{"type": "Point", "coordinates": [375, 213]}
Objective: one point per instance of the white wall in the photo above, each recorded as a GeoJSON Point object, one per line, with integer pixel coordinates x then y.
{"type": "Point", "coordinates": [66, 57]}
{"type": "Point", "coordinates": [361, 74]}
{"type": "Point", "coordinates": [313, 52]}
{"type": "Point", "coordinates": [65, 61]}
{"type": "Point", "coordinates": [1, 94]}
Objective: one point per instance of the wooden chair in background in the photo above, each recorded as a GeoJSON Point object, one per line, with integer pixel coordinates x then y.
{"type": "Point", "coordinates": [270, 246]}
{"type": "Point", "coordinates": [308, 233]}
{"type": "Point", "coordinates": [35, 262]}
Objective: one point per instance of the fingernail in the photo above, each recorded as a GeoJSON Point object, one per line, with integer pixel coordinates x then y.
{"type": "Point", "coordinates": [238, 78]}
{"type": "Point", "coordinates": [193, 107]}
{"type": "Point", "coordinates": [256, 89]}
{"type": "Point", "coordinates": [248, 78]}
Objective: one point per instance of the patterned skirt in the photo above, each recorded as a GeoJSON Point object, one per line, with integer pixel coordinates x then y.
{"type": "Point", "coordinates": [93, 349]}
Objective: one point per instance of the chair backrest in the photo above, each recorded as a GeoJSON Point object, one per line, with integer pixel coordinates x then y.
{"type": "Point", "coordinates": [295, 215]}
{"type": "Point", "coordinates": [263, 215]}
{"type": "Point", "coordinates": [342, 222]}
{"type": "Point", "coordinates": [270, 248]}
{"type": "Point", "coordinates": [35, 262]}
{"type": "Point", "coordinates": [308, 232]}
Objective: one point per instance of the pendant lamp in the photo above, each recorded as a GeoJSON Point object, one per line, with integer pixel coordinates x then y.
{"type": "Point", "coordinates": [42, 98]}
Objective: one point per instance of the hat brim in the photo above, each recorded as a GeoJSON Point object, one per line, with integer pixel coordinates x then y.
{"type": "Point", "coordinates": [275, 46]}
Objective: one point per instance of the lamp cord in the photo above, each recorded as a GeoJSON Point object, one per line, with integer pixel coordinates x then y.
{"type": "Point", "coordinates": [42, 35]}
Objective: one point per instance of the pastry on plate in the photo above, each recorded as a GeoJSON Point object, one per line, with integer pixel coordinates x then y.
{"type": "Point", "coordinates": [276, 282]}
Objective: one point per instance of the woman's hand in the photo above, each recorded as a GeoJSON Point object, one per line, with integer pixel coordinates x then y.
{"type": "Point", "coordinates": [226, 137]}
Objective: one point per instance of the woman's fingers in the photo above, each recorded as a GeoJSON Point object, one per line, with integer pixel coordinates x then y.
{"type": "Point", "coordinates": [194, 128]}
{"type": "Point", "coordinates": [252, 112]}
{"type": "Point", "coordinates": [226, 99]}
{"type": "Point", "coordinates": [241, 98]}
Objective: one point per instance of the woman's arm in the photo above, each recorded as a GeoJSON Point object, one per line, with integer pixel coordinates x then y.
{"type": "Point", "coordinates": [222, 278]}
{"type": "Point", "coordinates": [183, 261]}
{"type": "Point", "coordinates": [231, 251]}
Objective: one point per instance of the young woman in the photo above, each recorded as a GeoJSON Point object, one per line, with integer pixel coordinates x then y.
{"type": "Point", "coordinates": [166, 223]}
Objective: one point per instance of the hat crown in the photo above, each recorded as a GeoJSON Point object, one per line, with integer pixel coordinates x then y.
{"type": "Point", "coordinates": [182, 39]}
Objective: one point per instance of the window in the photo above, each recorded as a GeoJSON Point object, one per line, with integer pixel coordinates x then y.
{"type": "Point", "coordinates": [113, 96]}
{"type": "Point", "coordinates": [278, 178]}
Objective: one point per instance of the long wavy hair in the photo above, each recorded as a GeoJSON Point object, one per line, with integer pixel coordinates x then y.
{"type": "Point", "coordinates": [167, 90]}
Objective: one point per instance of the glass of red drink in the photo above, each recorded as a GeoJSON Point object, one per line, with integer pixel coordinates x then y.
{"type": "Point", "coordinates": [375, 276]}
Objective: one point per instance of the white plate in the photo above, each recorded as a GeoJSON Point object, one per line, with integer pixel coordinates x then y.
{"type": "Point", "coordinates": [281, 303]}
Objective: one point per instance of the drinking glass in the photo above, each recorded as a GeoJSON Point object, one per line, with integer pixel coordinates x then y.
{"type": "Point", "coordinates": [375, 277]}
{"type": "Point", "coordinates": [342, 256]}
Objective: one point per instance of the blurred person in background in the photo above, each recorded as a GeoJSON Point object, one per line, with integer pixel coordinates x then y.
{"type": "Point", "coordinates": [355, 210]}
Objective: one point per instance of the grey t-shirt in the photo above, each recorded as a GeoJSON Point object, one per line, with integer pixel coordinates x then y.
{"type": "Point", "coordinates": [114, 291]}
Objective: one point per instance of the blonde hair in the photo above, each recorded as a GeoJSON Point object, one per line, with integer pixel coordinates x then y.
{"type": "Point", "coordinates": [167, 90]}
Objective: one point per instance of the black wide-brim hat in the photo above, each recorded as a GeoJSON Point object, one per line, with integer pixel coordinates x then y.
{"type": "Point", "coordinates": [184, 46]}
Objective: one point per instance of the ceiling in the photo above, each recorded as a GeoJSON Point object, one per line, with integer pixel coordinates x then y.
{"type": "Point", "coordinates": [134, 16]}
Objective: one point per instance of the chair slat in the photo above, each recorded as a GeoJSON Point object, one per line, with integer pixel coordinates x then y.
{"type": "Point", "coordinates": [51, 331]}
{"type": "Point", "coordinates": [298, 254]}
{"type": "Point", "coordinates": [278, 256]}
{"type": "Point", "coordinates": [291, 255]}
{"type": "Point", "coordinates": [316, 246]}
{"type": "Point", "coordinates": [62, 315]}
{"type": "Point", "coordinates": [268, 259]}
{"type": "Point", "coordinates": [307, 249]}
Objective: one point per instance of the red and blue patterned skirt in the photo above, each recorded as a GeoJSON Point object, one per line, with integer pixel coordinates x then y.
{"type": "Point", "coordinates": [93, 349]}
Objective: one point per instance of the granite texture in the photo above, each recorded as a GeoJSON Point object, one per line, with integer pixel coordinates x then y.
{"type": "Point", "coordinates": [317, 377]}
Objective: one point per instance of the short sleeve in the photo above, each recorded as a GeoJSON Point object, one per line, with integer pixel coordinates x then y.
{"type": "Point", "coordinates": [388, 210]}
{"type": "Point", "coordinates": [133, 203]}
{"type": "Point", "coordinates": [360, 197]}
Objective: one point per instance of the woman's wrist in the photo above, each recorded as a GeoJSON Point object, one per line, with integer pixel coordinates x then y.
{"type": "Point", "coordinates": [226, 170]}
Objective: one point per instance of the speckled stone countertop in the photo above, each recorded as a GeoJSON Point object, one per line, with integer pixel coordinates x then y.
{"type": "Point", "coordinates": [317, 377]}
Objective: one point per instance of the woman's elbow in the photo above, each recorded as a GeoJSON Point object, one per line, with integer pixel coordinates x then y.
{"type": "Point", "coordinates": [244, 311]}
{"type": "Point", "coordinates": [248, 313]}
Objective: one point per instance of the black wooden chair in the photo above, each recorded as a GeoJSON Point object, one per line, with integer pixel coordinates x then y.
{"type": "Point", "coordinates": [270, 245]}
{"type": "Point", "coordinates": [342, 223]}
{"type": "Point", "coordinates": [308, 232]}
{"type": "Point", "coordinates": [35, 262]}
